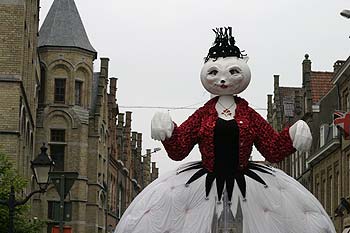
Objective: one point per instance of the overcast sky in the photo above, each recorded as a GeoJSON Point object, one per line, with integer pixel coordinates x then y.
{"type": "Point", "coordinates": [156, 49]}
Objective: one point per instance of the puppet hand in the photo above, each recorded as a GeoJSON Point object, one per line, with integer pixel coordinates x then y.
{"type": "Point", "coordinates": [161, 126]}
{"type": "Point", "coordinates": [301, 136]}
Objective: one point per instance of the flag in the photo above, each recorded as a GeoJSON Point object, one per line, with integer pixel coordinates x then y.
{"type": "Point", "coordinates": [342, 120]}
{"type": "Point", "coordinates": [338, 114]}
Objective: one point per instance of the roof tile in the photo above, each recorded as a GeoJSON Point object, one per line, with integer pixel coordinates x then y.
{"type": "Point", "coordinates": [320, 84]}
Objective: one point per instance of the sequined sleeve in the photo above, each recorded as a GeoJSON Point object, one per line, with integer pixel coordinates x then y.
{"type": "Point", "coordinates": [272, 145]}
{"type": "Point", "coordinates": [184, 137]}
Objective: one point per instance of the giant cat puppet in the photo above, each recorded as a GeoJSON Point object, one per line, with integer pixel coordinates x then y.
{"type": "Point", "coordinates": [225, 192]}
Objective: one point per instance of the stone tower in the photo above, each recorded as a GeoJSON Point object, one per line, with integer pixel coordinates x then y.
{"type": "Point", "coordinates": [72, 117]}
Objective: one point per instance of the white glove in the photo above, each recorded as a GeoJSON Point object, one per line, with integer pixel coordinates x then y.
{"type": "Point", "coordinates": [161, 126]}
{"type": "Point", "coordinates": [301, 136]}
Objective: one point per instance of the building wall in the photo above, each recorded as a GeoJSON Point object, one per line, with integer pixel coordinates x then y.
{"type": "Point", "coordinates": [98, 156]}
{"type": "Point", "coordinates": [327, 183]}
{"type": "Point", "coordinates": [98, 142]}
{"type": "Point", "coordinates": [342, 84]}
{"type": "Point", "coordinates": [324, 170]}
{"type": "Point", "coordinates": [18, 80]}
{"type": "Point", "coordinates": [285, 107]}
{"type": "Point", "coordinates": [128, 170]}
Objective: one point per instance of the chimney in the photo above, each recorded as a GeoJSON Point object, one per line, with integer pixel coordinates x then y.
{"type": "Point", "coordinates": [306, 69]}
{"type": "Point", "coordinates": [113, 87]}
{"type": "Point", "coordinates": [337, 65]}
{"type": "Point", "coordinates": [146, 167]}
{"type": "Point", "coordinates": [128, 120]}
{"type": "Point", "coordinates": [307, 84]}
{"type": "Point", "coordinates": [120, 119]}
{"type": "Point", "coordinates": [155, 171]}
{"type": "Point", "coordinates": [102, 84]}
{"type": "Point", "coordinates": [269, 108]}
{"type": "Point", "coordinates": [133, 139]}
{"type": "Point", "coordinates": [276, 81]}
{"type": "Point", "coordinates": [126, 147]}
{"type": "Point", "coordinates": [104, 67]}
{"type": "Point", "coordinates": [139, 164]}
{"type": "Point", "coordinates": [277, 101]}
{"type": "Point", "coordinates": [139, 140]}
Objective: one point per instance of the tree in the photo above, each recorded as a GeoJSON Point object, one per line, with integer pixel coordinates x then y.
{"type": "Point", "coordinates": [8, 177]}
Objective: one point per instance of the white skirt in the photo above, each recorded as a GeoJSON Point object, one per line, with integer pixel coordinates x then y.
{"type": "Point", "coordinates": [283, 205]}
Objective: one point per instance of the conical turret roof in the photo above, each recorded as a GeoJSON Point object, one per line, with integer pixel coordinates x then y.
{"type": "Point", "coordinates": [63, 27]}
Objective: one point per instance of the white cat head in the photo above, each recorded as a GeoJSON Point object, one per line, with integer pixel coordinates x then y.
{"type": "Point", "coordinates": [225, 76]}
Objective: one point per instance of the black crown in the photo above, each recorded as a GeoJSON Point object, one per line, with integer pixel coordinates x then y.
{"type": "Point", "coordinates": [224, 45]}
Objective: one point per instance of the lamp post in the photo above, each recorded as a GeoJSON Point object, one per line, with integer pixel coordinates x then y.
{"type": "Point", "coordinates": [41, 167]}
{"type": "Point", "coordinates": [63, 182]}
{"type": "Point", "coordinates": [345, 13]}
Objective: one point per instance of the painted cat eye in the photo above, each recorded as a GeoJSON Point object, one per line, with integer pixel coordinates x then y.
{"type": "Point", "coordinates": [213, 72]}
{"type": "Point", "coordinates": [234, 71]}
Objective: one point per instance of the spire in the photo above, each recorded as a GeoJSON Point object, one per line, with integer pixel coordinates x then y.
{"type": "Point", "coordinates": [63, 27]}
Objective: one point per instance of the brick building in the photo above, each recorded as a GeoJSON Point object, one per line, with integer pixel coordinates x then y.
{"type": "Point", "coordinates": [330, 161]}
{"type": "Point", "coordinates": [129, 170]}
{"type": "Point", "coordinates": [19, 80]}
{"type": "Point", "coordinates": [325, 169]}
{"type": "Point", "coordinates": [50, 93]}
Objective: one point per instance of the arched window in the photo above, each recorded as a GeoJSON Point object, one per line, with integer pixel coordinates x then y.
{"type": "Point", "coordinates": [120, 199]}
{"type": "Point", "coordinates": [27, 133]}
{"type": "Point", "coordinates": [78, 92]}
{"type": "Point", "coordinates": [23, 122]}
{"type": "Point", "coordinates": [42, 86]}
{"type": "Point", "coordinates": [60, 90]}
{"type": "Point", "coordinates": [101, 135]}
{"type": "Point", "coordinates": [57, 148]}
{"type": "Point", "coordinates": [31, 142]}
{"type": "Point", "coordinates": [102, 198]}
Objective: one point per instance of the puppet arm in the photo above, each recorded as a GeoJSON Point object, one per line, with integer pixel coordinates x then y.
{"type": "Point", "coordinates": [183, 137]}
{"type": "Point", "coordinates": [272, 145]}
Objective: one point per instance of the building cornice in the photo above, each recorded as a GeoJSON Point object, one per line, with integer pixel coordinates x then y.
{"type": "Point", "coordinates": [324, 151]}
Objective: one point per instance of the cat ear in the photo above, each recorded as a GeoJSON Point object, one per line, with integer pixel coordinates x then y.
{"type": "Point", "coordinates": [245, 59]}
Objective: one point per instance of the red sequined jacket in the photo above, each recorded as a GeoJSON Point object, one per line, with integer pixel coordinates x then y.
{"type": "Point", "coordinates": [199, 128]}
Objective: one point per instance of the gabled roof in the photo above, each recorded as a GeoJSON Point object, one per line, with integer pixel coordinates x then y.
{"type": "Point", "coordinates": [63, 27]}
{"type": "Point", "coordinates": [321, 83]}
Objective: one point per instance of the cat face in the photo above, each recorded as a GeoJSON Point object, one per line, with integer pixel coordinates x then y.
{"type": "Point", "coordinates": [225, 76]}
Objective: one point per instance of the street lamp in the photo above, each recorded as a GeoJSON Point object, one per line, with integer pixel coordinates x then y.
{"type": "Point", "coordinates": [41, 166]}
{"type": "Point", "coordinates": [154, 151]}
{"type": "Point", "coordinates": [345, 13]}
